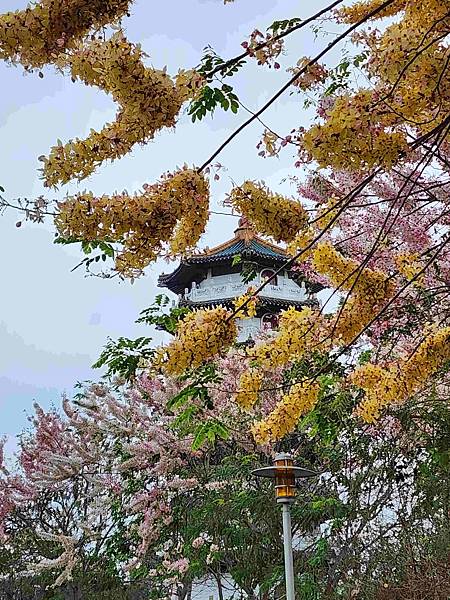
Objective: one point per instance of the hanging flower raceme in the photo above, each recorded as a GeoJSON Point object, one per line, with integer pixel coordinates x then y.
{"type": "Point", "coordinates": [249, 386]}
{"type": "Point", "coordinates": [313, 76]}
{"type": "Point", "coordinates": [174, 211]}
{"type": "Point", "coordinates": [270, 213]}
{"type": "Point", "coordinates": [301, 331]}
{"type": "Point", "coordinates": [335, 143]}
{"type": "Point", "coordinates": [356, 12]}
{"type": "Point", "coordinates": [301, 398]}
{"type": "Point", "coordinates": [409, 68]}
{"type": "Point", "coordinates": [369, 128]}
{"type": "Point", "coordinates": [302, 244]}
{"type": "Point", "coordinates": [298, 330]}
{"type": "Point", "coordinates": [394, 385]}
{"type": "Point", "coordinates": [200, 336]}
{"type": "Point", "coordinates": [369, 290]}
{"type": "Point", "coordinates": [194, 219]}
{"type": "Point", "coordinates": [148, 98]}
{"type": "Point", "coordinates": [38, 35]}
{"type": "Point", "coordinates": [246, 304]}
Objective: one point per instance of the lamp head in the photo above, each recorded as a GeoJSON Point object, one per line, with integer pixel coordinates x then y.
{"type": "Point", "coordinates": [284, 472]}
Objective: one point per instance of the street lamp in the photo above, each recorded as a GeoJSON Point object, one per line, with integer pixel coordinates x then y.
{"type": "Point", "coordinates": [285, 473]}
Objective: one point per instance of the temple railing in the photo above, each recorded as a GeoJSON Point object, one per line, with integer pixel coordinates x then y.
{"type": "Point", "coordinates": [286, 291]}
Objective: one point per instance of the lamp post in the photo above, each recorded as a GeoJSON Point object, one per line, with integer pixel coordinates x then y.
{"type": "Point", "coordinates": [284, 472]}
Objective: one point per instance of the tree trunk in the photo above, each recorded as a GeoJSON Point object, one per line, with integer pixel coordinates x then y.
{"type": "Point", "coordinates": [219, 586]}
{"type": "Point", "coordinates": [186, 591]}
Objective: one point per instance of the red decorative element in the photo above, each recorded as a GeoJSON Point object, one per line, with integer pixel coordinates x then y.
{"type": "Point", "coordinates": [244, 223]}
{"type": "Point", "coordinates": [244, 230]}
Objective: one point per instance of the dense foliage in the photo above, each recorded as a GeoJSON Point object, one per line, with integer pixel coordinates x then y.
{"type": "Point", "coordinates": [129, 483]}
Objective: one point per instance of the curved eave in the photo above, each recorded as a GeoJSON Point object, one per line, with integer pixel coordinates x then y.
{"type": "Point", "coordinates": [179, 279]}
{"type": "Point", "coordinates": [311, 286]}
{"type": "Point", "coordinates": [245, 253]}
{"type": "Point", "coordinates": [314, 288]}
{"type": "Point", "coordinates": [263, 302]}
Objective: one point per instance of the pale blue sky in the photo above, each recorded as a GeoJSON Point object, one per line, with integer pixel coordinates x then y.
{"type": "Point", "coordinates": [53, 323]}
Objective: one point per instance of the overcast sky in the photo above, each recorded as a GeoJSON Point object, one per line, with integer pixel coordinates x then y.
{"type": "Point", "coordinates": [53, 323]}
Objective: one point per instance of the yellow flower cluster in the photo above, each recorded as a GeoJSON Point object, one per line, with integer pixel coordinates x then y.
{"type": "Point", "coordinates": [249, 386]}
{"type": "Point", "coordinates": [327, 213]}
{"type": "Point", "coordinates": [301, 331]}
{"type": "Point", "coordinates": [301, 398]}
{"type": "Point", "coordinates": [193, 221]}
{"type": "Point", "coordinates": [174, 211]}
{"type": "Point", "coordinates": [369, 290]}
{"type": "Point", "coordinates": [358, 10]}
{"type": "Point", "coordinates": [249, 310]}
{"type": "Point", "coordinates": [397, 383]}
{"type": "Point", "coordinates": [409, 58]}
{"type": "Point", "coordinates": [296, 332]}
{"type": "Point", "coordinates": [344, 272]}
{"type": "Point", "coordinates": [323, 220]}
{"type": "Point", "coordinates": [409, 266]}
{"type": "Point", "coordinates": [189, 84]}
{"type": "Point", "coordinates": [271, 214]}
{"type": "Point", "coordinates": [408, 62]}
{"type": "Point", "coordinates": [39, 34]}
{"type": "Point", "coordinates": [200, 336]}
{"type": "Point", "coordinates": [300, 242]}
{"type": "Point", "coordinates": [269, 141]}
{"type": "Point", "coordinates": [355, 136]}
{"type": "Point", "coordinates": [148, 101]}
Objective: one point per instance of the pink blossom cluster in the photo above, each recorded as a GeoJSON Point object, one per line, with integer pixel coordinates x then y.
{"type": "Point", "coordinates": [103, 440]}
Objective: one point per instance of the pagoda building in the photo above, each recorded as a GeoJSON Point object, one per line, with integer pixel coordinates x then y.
{"type": "Point", "coordinates": [221, 274]}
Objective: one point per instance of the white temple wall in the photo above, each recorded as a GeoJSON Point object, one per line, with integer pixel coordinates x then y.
{"type": "Point", "coordinates": [232, 286]}
{"type": "Point", "coordinates": [282, 280]}
{"type": "Point", "coordinates": [248, 328]}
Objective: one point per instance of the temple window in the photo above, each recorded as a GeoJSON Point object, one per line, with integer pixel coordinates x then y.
{"type": "Point", "coordinates": [269, 321]}
{"type": "Point", "coordinates": [266, 274]}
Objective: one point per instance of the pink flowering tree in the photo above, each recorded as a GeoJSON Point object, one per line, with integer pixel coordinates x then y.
{"type": "Point", "coordinates": [148, 482]}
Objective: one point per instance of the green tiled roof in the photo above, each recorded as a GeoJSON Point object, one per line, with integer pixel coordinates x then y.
{"type": "Point", "coordinates": [253, 247]}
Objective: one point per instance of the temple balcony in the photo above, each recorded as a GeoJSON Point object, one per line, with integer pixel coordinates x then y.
{"type": "Point", "coordinates": [214, 291]}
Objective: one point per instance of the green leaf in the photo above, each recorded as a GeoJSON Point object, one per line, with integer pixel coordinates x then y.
{"type": "Point", "coordinates": [200, 436]}
{"type": "Point", "coordinates": [248, 272]}
{"type": "Point", "coordinates": [122, 357]}
{"type": "Point", "coordinates": [64, 241]}
{"type": "Point", "coordinates": [86, 247]}
{"type": "Point", "coordinates": [210, 98]}
{"type": "Point", "coordinates": [107, 249]}
{"type": "Point", "coordinates": [364, 357]}
{"type": "Point", "coordinates": [185, 417]}
{"type": "Point", "coordinates": [154, 315]}
{"type": "Point", "coordinates": [280, 26]}
{"type": "Point", "coordinates": [221, 430]}
{"type": "Point", "coordinates": [181, 398]}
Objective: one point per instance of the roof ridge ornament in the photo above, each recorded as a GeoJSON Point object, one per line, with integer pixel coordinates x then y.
{"type": "Point", "coordinates": [244, 230]}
